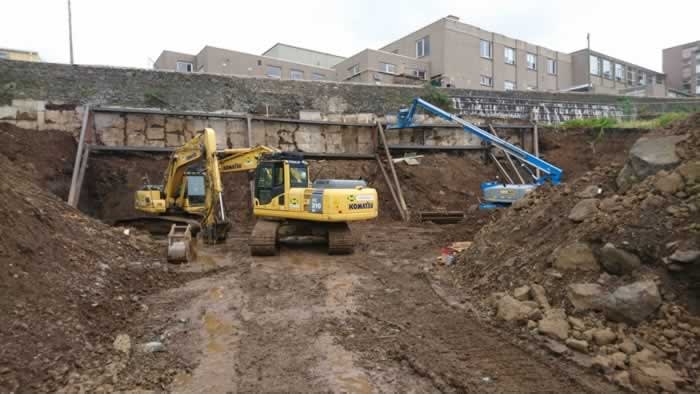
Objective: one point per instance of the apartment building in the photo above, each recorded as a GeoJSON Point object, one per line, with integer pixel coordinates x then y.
{"type": "Point", "coordinates": [599, 73]}
{"type": "Point", "coordinates": [681, 65]}
{"type": "Point", "coordinates": [18, 54]}
{"type": "Point", "coordinates": [225, 61]}
{"type": "Point", "coordinates": [448, 53]}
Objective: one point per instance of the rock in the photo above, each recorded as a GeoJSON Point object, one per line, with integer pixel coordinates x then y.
{"type": "Point", "coordinates": [604, 336]}
{"type": "Point", "coordinates": [531, 325]}
{"type": "Point", "coordinates": [652, 201]}
{"type": "Point", "coordinates": [602, 363]}
{"type": "Point", "coordinates": [656, 375]}
{"type": "Point", "coordinates": [617, 261]}
{"type": "Point", "coordinates": [122, 343]}
{"type": "Point", "coordinates": [590, 191]}
{"type": "Point", "coordinates": [554, 324]}
{"type": "Point", "coordinates": [610, 204]}
{"type": "Point", "coordinates": [690, 171]}
{"type": "Point", "coordinates": [670, 333]}
{"type": "Point", "coordinates": [576, 323]}
{"type": "Point", "coordinates": [510, 309]}
{"type": "Point", "coordinates": [579, 345]}
{"type": "Point", "coordinates": [628, 347]}
{"type": "Point", "coordinates": [540, 295]}
{"type": "Point", "coordinates": [685, 256]}
{"type": "Point", "coordinates": [556, 347]}
{"type": "Point", "coordinates": [618, 360]}
{"type": "Point", "coordinates": [521, 203]}
{"type": "Point", "coordinates": [522, 293]}
{"type": "Point", "coordinates": [668, 183]}
{"type": "Point", "coordinates": [632, 303]}
{"type": "Point", "coordinates": [588, 335]}
{"type": "Point", "coordinates": [645, 356]}
{"type": "Point", "coordinates": [576, 256]}
{"type": "Point", "coordinates": [623, 379]}
{"type": "Point", "coordinates": [153, 347]}
{"type": "Point", "coordinates": [584, 209]}
{"type": "Point", "coordinates": [647, 157]}
{"type": "Point", "coordinates": [585, 296]}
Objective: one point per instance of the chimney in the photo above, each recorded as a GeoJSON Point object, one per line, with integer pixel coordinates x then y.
{"type": "Point", "coordinates": [453, 18]}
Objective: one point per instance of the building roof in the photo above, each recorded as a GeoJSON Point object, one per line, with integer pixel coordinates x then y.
{"type": "Point", "coordinates": [19, 51]}
{"type": "Point", "coordinates": [282, 45]}
{"type": "Point", "coordinates": [614, 59]}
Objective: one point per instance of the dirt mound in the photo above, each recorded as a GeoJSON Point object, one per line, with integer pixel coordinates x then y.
{"type": "Point", "coordinates": [67, 282]}
{"type": "Point", "coordinates": [630, 250]}
{"type": "Point", "coordinates": [46, 156]}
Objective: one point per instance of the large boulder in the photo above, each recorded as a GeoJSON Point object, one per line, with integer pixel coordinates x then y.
{"type": "Point", "coordinates": [668, 183]}
{"type": "Point", "coordinates": [632, 303]}
{"type": "Point", "coordinates": [510, 309]}
{"type": "Point", "coordinates": [617, 261]}
{"type": "Point", "coordinates": [656, 376]}
{"type": "Point", "coordinates": [585, 296]}
{"type": "Point", "coordinates": [576, 256]}
{"type": "Point", "coordinates": [554, 324]}
{"type": "Point", "coordinates": [647, 157]}
{"type": "Point", "coordinates": [584, 209]}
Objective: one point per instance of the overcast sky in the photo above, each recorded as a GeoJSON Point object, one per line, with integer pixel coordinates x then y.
{"type": "Point", "coordinates": [133, 32]}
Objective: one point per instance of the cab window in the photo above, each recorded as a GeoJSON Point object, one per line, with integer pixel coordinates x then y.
{"type": "Point", "coordinates": [299, 176]}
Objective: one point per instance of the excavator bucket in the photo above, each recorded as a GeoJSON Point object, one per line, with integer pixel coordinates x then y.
{"type": "Point", "coordinates": [180, 246]}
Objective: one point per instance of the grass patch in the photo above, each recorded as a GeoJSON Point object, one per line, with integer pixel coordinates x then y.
{"type": "Point", "coordinates": [606, 123]}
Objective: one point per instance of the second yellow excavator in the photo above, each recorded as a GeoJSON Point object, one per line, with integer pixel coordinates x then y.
{"type": "Point", "coordinates": [286, 203]}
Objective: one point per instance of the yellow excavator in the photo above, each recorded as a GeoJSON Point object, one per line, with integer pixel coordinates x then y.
{"type": "Point", "coordinates": [286, 203]}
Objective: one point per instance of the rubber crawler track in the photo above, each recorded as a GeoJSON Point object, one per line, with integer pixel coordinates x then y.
{"type": "Point", "coordinates": [263, 240]}
{"type": "Point", "coordinates": [340, 239]}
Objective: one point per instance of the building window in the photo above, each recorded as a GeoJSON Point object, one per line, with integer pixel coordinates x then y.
{"type": "Point", "coordinates": [552, 66]}
{"type": "Point", "coordinates": [595, 65]}
{"type": "Point", "coordinates": [318, 77]}
{"type": "Point", "coordinates": [619, 72]}
{"type": "Point", "coordinates": [531, 61]}
{"type": "Point", "coordinates": [274, 72]}
{"type": "Point", "coordinates": [486, 81]}
{"type": "Point", "coordinates": [630, 76]}
{"type": "Point", "coordinates": [296, 74]}
{"type": "Point", "coordinates": [423, 47]}
{"type": "Point", "coordinates": [354, 70]}
{"type": "Point", "coordinates": [184, 67]}
{"type": "Point", "coordinates": [4, 55]}
{"type": "Point", "coordinates": [508, 85]}
{"type": "Point", "coordinates": [607, 69]}
{"type": "Point", "coordinates": [485, 49]}
{"type": "Point", "coordinates": [642, 78]}
{"type": "Point", "coordinates": [389, 68]}
{"type": "Point", "coordinates": [697, 69]}
{"type": "Point", "coordinates": [420, 74]}
{"type": "Point", "coordinates": [509, 55]}
{"type": "Point", "coordinates": [530, 87]}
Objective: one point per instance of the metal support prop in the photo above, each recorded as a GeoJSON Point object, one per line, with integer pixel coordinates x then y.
{"type": "Point", "coordinates": [510, 159]}
{"type": "Point", "coordinates": [81, 174]}
{"type": "Point", "coordinates": [72, 200]}
{"type": "Point", "coordinates": [392, 168]}
{"type": "Point", "coordinates": [391, 188]}
{"type": "Point", "coordinates": [536, 144]}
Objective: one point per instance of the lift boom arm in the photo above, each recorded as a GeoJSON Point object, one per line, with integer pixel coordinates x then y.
{"type": "Point", "coordinates": [552, 173]}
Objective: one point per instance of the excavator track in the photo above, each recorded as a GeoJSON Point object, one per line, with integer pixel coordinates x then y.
{"type": "Point", "coordinates": [340, 239]}
{"type": "Point", "coordinates": [263, 240]}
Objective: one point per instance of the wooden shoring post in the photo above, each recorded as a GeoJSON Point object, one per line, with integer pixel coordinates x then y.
{"type": "Point", "coordinates": [249, 142]}
{"type": "Point", "coordinates": [510, 159]}
{"type": "Point", "coordinates": [500, 168]}
{"type": "Point", "coordinates": [81, 174]}
{"type": "Point", "coordinates": [72, 201]}
{"type": "Point", "coordinates": [392, 168]}
{"type": "Point", "coordinates": [391, 188]}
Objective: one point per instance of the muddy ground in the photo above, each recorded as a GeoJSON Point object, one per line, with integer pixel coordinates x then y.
{"type": "Point", "coordinates": [307, 322]}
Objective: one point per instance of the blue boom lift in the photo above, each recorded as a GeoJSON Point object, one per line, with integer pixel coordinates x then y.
{"type": "Point", "coordinates": [496, 194]}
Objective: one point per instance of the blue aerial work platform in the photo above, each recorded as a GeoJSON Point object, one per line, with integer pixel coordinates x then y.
{"type": "Point", "coordinates": [496, 194]}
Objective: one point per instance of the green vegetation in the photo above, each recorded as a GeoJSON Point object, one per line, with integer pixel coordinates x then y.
{"type": "Point", "coordinates": [606, 123]}
{"type": "Point", "coordinates": [153, 98]}
{"type": "Point", "coordinates": [437, 97]}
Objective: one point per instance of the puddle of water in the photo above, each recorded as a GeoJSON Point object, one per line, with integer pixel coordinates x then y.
{"type": "Point", "coordinates": [338, 369]}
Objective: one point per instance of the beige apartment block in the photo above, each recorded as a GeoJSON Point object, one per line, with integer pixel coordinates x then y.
{"type": "Point", "coordinates": [448, 53]}
{"type": "Point", "coordinates": [372, 66]}
{"type": "Point", "coordinates": [18, 54]}
{"type": "Point", "coordinates": [681, 65]}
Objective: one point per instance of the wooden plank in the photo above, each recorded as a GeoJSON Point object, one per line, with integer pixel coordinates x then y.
{"type": "Point", "coordinates": [391, 189]}
{"type": "Point", "coordinates": [500, 168]}
{"type": "Point", "coordinates": [81, 174]}
{"type": "Point", "coordinates": [72, 201]}
{"type": "Point", "coordinates": [392, 168]}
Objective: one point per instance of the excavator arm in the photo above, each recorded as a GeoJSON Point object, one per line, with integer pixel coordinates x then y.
{"type": "Point", "coordinates": [242, 159]}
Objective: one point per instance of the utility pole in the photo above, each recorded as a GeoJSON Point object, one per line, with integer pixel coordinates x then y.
{"type": "Point", "coordinates": [588, 38]}
{"type": "Point", "coordinates": [70, 32]}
